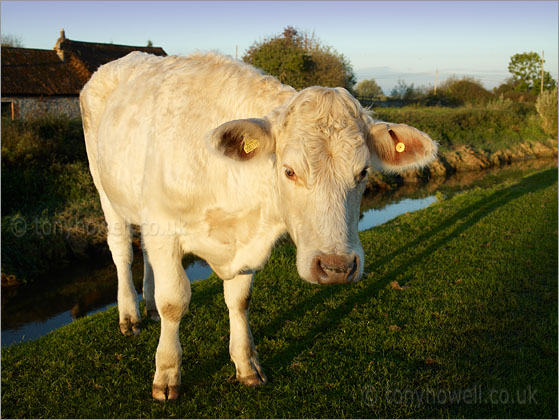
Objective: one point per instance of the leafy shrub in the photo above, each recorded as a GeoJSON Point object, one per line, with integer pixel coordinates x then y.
{"type": "Point", "coordinates": [547, 109]}
{"type": "Point", "coordinates": [44, 175]}
{"type": "Point", "coordinates": [483, 127]}
{"type": "Point", "coordinates": [369, 89]}
{"type": "Point", "coordinates": [465, 91]}
{"type": "Point", "coordinates": [44, 164]}
{"type": "Point", "coordinates": [42, 141]}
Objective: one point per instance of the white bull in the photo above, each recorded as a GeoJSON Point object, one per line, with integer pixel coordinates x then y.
{"type": "Point", "coordinates": [208, 156]}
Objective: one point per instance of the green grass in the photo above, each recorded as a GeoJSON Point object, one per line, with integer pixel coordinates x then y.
{"type": "Point", "coordinates": [474, 310]}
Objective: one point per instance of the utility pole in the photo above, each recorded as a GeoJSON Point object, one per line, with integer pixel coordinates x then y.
{"type": "Point", "coordinates": [436, 78]}
{"type": "Point", "coordinates": [541, 88]}
{"type": "Point", "coordinates": [236, 52]}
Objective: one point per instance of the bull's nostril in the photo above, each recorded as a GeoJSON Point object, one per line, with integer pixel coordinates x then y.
{"type": "Point", "coordinates": [353, 269]}
{"type": "Point", "coordinates": [319, 270]}
{"type": "Point", "coordinates": [333, 268]}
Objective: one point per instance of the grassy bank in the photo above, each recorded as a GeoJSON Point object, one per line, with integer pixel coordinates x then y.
{"type": "Point", "coordinates": [50, 210]}
{"type": "Point", "coordinates": [457, 317]}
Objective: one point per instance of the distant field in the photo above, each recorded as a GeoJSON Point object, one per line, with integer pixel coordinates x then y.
{"type": "Point", "coordinates": [457, 317]}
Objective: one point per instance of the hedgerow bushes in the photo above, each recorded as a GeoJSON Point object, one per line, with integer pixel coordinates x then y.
{"type": "Point", "coordinates": [40, 162]}
{"type": "Point", "coordinates": [547, 108]}
{"type": "Point", "coordinates": [497, 125]}
{"type": "Point", "coordinates": [49, 203]}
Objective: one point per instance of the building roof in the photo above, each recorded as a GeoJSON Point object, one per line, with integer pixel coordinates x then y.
{"type": "Point", "coordinates": [62, 71]}
{"type": "Point", "coordinates": [31, 72]}
{"type": "Point", "coordinates": [93, 55]}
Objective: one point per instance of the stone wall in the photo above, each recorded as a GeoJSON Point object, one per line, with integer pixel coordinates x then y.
{"type": "Point", "coordinates": [32, 107]}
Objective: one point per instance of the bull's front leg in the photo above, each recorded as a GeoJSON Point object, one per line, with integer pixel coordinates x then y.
{"type": "Point", "coordinates": [172, 297]}
{"type": "Point", "coordinates": [237, 292]}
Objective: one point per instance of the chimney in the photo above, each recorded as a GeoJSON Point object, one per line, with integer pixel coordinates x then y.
{"type": "Point", "coordinates": [58, 46]}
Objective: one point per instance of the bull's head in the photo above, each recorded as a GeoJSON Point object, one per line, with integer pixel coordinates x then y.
{"type": "Point", "coordinates": [323, 145]}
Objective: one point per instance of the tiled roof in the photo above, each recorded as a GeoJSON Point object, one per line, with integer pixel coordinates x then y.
{"type": "Point", "coordinates": [62, 71]}
{"type": "Point", "coordinates": [93, 55]}
{"type": "Point", "coordinates": [27, 71]}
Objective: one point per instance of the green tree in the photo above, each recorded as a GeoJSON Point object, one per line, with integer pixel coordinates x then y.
{"type": "Point", "coordinates": [369, 89]}
{"type": "Point", "coordinates": [299, 60]}
{"type": "Point", "coordinates": [466, 90]}
{"type": "Point", "coordinates": [526, 72]}
{"type": "Point", "coordinates": [405, 91]}
{"type": "Point", "coordinates": [508, 89]}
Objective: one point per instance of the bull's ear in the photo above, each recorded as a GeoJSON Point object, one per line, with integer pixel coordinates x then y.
{"type": "Point", "coordinates": [242, 139]}
{"type": "Point", "coordinates": [399, 147]}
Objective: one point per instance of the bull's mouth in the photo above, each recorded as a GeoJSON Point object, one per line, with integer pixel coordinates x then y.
{"type": "Point", "coordinates": [334, 269]}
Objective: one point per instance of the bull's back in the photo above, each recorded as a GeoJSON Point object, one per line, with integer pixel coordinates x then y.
{"type": "Point", "coordinates": [145, 119]}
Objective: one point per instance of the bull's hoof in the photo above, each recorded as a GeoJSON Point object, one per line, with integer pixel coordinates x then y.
{"type": "Point", "coordinates": [164, 393]}
{"type": "Point", "coordinates": [255, 380]}
{"type": "Point", "coordinates": [129, 328]}
{"type": "Point", "coordinates": [152, 314]}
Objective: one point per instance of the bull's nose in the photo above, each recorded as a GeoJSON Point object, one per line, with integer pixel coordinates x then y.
{"type": "Point", "coordinates": [334, 269]}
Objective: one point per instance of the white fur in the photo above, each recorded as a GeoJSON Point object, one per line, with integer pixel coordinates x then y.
{"type": "Point", "coordinates": [148, 124]}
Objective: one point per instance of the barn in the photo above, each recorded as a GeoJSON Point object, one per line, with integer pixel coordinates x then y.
{"type": "Point", "coordinates": [38, 82]}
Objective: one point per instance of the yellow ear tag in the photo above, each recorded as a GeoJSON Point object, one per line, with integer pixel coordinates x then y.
{"type": "Point", "coordinates": [250, 144]}
{"type": "Point", "coordinates": [400, 147]}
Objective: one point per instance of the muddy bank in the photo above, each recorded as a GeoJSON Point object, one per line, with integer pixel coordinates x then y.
{"type": "Point", "coordinates": [466, 159]}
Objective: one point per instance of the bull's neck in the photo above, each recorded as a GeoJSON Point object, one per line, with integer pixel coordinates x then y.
{"type": "Point", "coordinates": [257, 188]}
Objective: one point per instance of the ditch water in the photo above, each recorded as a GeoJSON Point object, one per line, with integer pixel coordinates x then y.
{"type": "Point", "coordinates": [31, 311]}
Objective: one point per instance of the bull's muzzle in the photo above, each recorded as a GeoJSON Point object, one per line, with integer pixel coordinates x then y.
{"type": "Point", "coordinates": [335, 269]}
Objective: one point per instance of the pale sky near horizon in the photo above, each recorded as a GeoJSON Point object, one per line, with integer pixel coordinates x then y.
{"type": "Point", "coordinates": [381, 39]}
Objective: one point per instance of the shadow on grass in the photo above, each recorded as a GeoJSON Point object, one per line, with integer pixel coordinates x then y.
{"type": "Point", "coordinates": [455, 224]}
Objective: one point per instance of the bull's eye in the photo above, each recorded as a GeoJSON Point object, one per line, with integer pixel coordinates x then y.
{"type": "Point", "coordinates": [290, 173]}
{"type": "Point", "coordinates": [363, 174]}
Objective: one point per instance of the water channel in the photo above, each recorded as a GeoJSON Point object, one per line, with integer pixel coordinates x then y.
{"type": "Point", "coordinates": [31, 311]}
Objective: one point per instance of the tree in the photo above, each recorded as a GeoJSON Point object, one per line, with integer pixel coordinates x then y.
{"type": "Point", "coordinates": [299, 60]}
{"type": "Point", "coordinates": [526, 72]}
{"type": "Point", "coordinates": [150, 44]}
{"type": "Point", "coordinates": [405, 92]}
{"type": "Point", "coordinates": [330, 69]}
{"type": "Point", "coordinates": [508, 89]}
{"type": "Point", "coordinates": [466, 90]}
{"type": "Point", "coordinates": [11, 41]}
{"type": "Point", "coordinates": [369, 89]}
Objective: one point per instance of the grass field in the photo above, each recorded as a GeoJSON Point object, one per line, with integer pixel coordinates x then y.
{"type": "Point", "coordinates": [456, 317]}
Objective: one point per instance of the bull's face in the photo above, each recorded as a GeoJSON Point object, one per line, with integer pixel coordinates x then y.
{"type": "Point", "coordinates": [324, 145]}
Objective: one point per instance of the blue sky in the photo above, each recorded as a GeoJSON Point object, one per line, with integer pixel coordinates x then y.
{"type": "Point", "coordinates": [385, 40]}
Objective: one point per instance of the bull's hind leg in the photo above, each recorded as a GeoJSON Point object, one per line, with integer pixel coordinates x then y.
{"type": "Point", "coordinates": [237, 292]}
{"type": "Point", "coordinates": [172, 296]}
{"type": "Point", "coordinates": [149, 288]}
{"type": "Point", "coordinates": [119, 238]}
